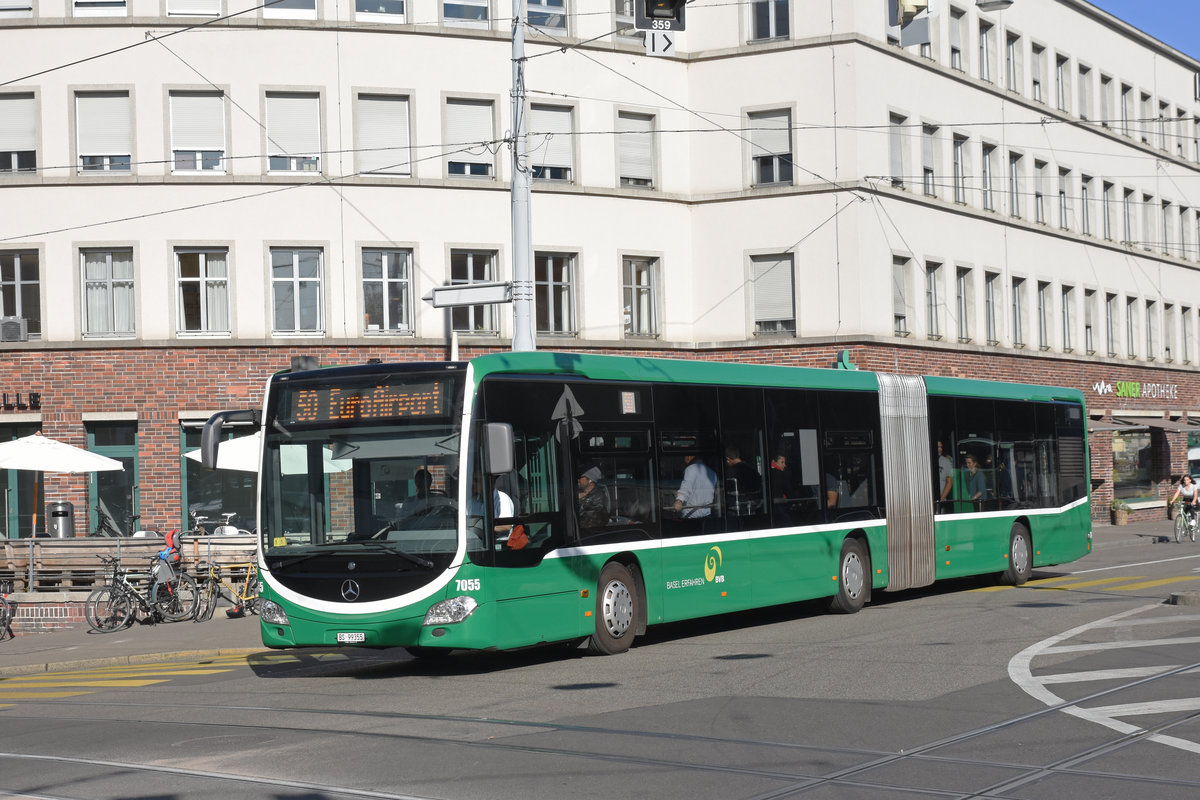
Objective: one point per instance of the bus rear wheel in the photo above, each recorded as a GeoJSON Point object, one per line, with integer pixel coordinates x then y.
{"type": "Point", "coordinates": [853, 579]}
{"type": "Point", "coordinates": [616, 611]}
{"type": "Point", "coordinates": [1020, 556]}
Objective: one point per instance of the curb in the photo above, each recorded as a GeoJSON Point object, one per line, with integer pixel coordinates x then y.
{"type": "Point", "coordinates": [132, 660]}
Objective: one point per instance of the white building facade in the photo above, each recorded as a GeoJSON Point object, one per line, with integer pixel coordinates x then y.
{"type": "Point", "coordinates": [193, 192]}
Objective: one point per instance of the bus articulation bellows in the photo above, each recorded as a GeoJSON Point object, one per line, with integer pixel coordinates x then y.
{"type": "Point", "coordinates": [521, 498]}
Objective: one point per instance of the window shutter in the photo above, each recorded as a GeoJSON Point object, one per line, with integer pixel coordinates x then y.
{"type": "Point", "coordinates": [383, 134]}
{"type": "Point", "coordinates": [102, 121]}
{"type": "Point", "coordinates": [293, 124]}
{"type": "Point", "coordinates": [197, 121]}
{"type": "Point", "coordinates": [18, 130]}
{"type": "Point", "coordinates": [556, 149]}
{"type": "Point", "coordinates": [468, 122]}
{"type": "Point", "coordinates": [773, 293]}
{"type": "Point", "coordinates": [194, 8]}
{"type": "Point", "coordinates": [770, 133]}
{"type": "Point", "coordinates": [636, 146]}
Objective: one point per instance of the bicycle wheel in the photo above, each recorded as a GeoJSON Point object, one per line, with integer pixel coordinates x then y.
{"type": "Point", "coordinates": [107, 610]}
{"type": "Point", "coordinates": [206, 601]}
{"type": "Point", "coordinates": [5, 618]}
{"type": "Point", "coordinates": [1180, 526]}
{"type": "Point", "coordinates": [176, 599]}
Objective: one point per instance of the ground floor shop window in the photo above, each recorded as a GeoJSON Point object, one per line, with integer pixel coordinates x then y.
{"type": "Point", "coordinates": [1132, 459]}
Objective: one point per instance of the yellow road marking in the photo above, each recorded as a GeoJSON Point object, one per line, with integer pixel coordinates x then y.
{"type": "Point", "coordinates": [57, 682]}
{"type": "Point", "coordinates": [38, 695]}
{"type": "Point", "coordinates": [1099, 582]}
{"type": "Point", "coordinates": [1133, 587]}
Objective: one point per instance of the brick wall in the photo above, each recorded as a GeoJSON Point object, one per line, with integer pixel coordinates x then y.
{"type": "Point", "coordinates": [157, 383]}
{"type": "Point", "coordinates": [43, 613]}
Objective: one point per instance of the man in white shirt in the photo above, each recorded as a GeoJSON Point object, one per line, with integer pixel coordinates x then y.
{"type": "Point", "coordinates": [697, 490]}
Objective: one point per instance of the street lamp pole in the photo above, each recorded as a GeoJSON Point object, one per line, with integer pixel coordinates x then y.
{"type": "Point", "coordinates": [522, 224]}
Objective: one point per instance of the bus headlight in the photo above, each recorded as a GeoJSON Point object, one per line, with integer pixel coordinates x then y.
{"type": "Point", "coordinates": [271, 612]}
{"type": "Point", "coordinates": [449, 612]}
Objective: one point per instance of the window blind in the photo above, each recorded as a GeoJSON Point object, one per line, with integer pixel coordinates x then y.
{"type": "Point", "coordinates": [550, 131]}
{"type": "Point", "coordinates": [293, 124]}
{"type": "Point", "coordinates": [770, 133]}
{"type": "Point", "coordinates": [773, 294]}
{"type": "Point", "coordinates": [103, 125]}
{"type": "Point", "coordinates": [383, 134]}
{"type": "Point", "coordinates": [636, 148]}
{"type": "Point", "coordinates": [197, 121]}
{"type": "Point", "coordinates": [469, 122]}
{"type": "Point", "coordinates": [18, 129]}
{"type": "Point", "coordinates": [194, 8]}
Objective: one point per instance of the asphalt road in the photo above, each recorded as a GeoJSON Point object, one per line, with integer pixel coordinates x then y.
{"type": "Point", "coordinates": [1081, 685]}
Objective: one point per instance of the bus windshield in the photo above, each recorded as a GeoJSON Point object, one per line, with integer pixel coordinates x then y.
{"type": "Point", "coordinates": [364, 463]}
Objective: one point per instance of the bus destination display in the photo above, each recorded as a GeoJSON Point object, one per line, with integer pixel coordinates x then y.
{"type": "Point", "coordinates": [351, 403]}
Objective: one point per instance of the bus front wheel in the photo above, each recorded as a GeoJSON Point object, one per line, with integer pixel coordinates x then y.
{"type": "Point", "coordinates": [1020, 556]}
{"type": "Point", "coordinates": [853, 578]}
{"type": "Point", "coordinates": [616, 611]}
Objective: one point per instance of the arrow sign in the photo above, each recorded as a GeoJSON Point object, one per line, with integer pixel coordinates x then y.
{"type": "Point", "coordinates": [660, 44]}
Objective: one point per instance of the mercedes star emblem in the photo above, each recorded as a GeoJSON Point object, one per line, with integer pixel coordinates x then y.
{"type": "Point", "coordinates": [350, 591]}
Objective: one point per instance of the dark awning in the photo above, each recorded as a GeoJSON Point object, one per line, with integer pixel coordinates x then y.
{"type": "Point", "coordinates": [1096, 425]}
{"type": "Point", "coordinates": [1154, 422]}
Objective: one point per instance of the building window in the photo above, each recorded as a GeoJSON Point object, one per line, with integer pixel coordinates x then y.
{"type": "Point", "coordinates": [1018, 312]}
{"type": "Point", "coordinates": [1039, 191]}
{"type": "Point", "coordinates": [929, 159]}
{"type": "Point", "coordinates": [1167, 215]}
{"type": "Point", "coordinates": [554, 157]}
{"type": "Point", "coordinates": [467, 13]}
{"type": "Point", "coordinates": [1146, 115]}
{"type": "Point", "coordinates": [1126, 109]}
{"type": "Point", "coordinates": [958, 22]}
{"type": "Point", "coordinates": [1151, 330]}
{"type": "Point", "coordinates": [387, 291]}
{"type": "Point", "coordinates": [1110, 324]}
{"type": "Point", "coordinates": [100, 8]}
{"type": "Point", "coordinates": [1131, 327]}
{"type": "Point", "coordinates": [291, 9]}
{"type": "Point", "coordinates": [1105, 101]}
{"type": "Point", "coordinates": [769, 19]}
{"type": "Point", "coordinates": [553, 292]}
{"type": "Point", "coordinates": [960, 169]}
{"type": "Point", "coordinates": [18, 133]}
{"type": "Point", "coordinates": [469, 134]}
{"type": "Point", "coordinates": [1147, 222]}
{"type": "Point", "coordinates": [933, 300]}
{"type": "Point", "coordinates": [1043, 308]}
{"type": "Point", "coordinates": [771, 147]}
{"type": "Point", "coordinates": [1012, 62]}
{"type": "Point", "coordinates": [1131, 464]}
{"type": "Point", "coordinates": [1014, 184]}
{"type": "Point", "coordinates": [296, 290]}
{"type": "Point", "coordinates": [383, 135]}
{"type": "Point", "coordinates": [1164, 111]}
{"type": "Point", "coordinates": [202, 294]}
{"type": "Point", "coordinates": [193, 8]}
{"type": "Point", "coordinates": [988, 168]}
{"type": "Point", "coordinates": [198, 131]}
{"type": "Point", "coordinates": [986, 48]}
{"type": "Point", "coordinates": [1085, 202]}
{"type": "Point", "coordinates": [1085, 90]}
{"type": "Point", "coordinates": [624, 13]}
{"type": "Point", "coordinates": [104, 132]}
{"type": "Point", "coordinates": [293, 132]}
{"type": "Point", "coordinates": [773, 294]}
{"type": "Point", "coordinates": [107, 292]}
{"type": "Point", "coordinates": [1062, 85]}
{"type": "Point", "coordinates": [635, 149]}
{"type": "Point", "coordinates": [16, 9]}
{"type": "Point", "coordinates": [1037, 64]}
{"type": "Point", "coordinates": [1064, 199]}
{"type": "Point", "coordinates": [472, 266]}
{"type": "Point", "coordinates": [1089, 321]}
{"type": "Point", "coordinates": [1127, 216]}
{"type": "Point", "coordinates": [547, 14]}
{"type": "Point", "coordinates": [1106, 211]}
{"type": "Point", "coordinates": [1185, 333]}
{"type": "Point", "coordinates": [991, 283]}
{"type": "Point", "coordinates": [639, 295]}
{"type": "Point", "coordinates": [899, 296]}
{"type": "Point", "coordinates": [897, 148]}
{"type": "Point", "coordinates": [1168, 338]}
{"type": "Point", "coordinates": [20, 289]}
{"type": "Point", "coordinates": [963, 291]}
{"type": "Point", "coordinates": [382, 10]}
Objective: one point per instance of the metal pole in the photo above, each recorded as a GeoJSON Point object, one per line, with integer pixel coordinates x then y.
{"type": "Point", "coordinates": [522, 225]}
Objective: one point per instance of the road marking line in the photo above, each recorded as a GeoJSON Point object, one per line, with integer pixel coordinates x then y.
{"type": "Point", "coordinates": [43, 683]}
{"type": "Point", "coordinates": [1130, 566]}
{"type": "Point", "coordinates": [19, 695]}
{"type": "Point", "coordinates": [1093, 646]}
{"type": "Point", "coordinates": [1100, 582]}
{"type": "Point", "coordinates": [1159, 621]}
{"type": "Point", "coordinates": [1105, 674]}
{"type": "Point", "coordinates": [1148, 707]}
{"type": "Point", "coordinates": [1137, 587]}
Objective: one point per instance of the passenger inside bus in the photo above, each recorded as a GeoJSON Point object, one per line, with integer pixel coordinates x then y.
{"type": "Point", "coordinates": [594, 508]}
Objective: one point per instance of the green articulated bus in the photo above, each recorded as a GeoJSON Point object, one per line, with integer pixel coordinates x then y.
{"type": "Point", "coordinates": [529, 497]}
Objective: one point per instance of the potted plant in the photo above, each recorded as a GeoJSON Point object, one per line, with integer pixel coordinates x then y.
{"type": "Point", "coordinates": [1120, 512]}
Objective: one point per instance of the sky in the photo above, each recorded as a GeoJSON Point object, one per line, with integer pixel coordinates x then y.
{"type": "Point", "coordinates": [1175, 22]}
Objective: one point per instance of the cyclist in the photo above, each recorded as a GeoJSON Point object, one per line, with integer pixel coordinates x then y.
{"type": "Point", "coordinates": [1187, 493]}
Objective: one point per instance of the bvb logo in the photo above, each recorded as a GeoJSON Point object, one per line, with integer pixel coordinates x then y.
{"type": "Point", "coordinates": [711, 561]}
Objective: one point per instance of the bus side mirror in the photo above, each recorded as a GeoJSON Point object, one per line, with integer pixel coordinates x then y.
{"type": "Point", "coordinates": [498, 448]}
{"type": "Point", "coordinates": [210, 437]}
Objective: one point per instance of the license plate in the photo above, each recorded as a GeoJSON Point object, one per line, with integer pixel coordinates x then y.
{"type": "Point", "coordinates": [351, 638]}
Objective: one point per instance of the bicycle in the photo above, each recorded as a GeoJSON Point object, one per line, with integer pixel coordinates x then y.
{"type": "Point", "coordinates": [106, 527]}
{"type": "Point", "coordinates": [172, 597]}
{"type": "Point", "coordinates": [1185, 524]}
{"type": "Point", "coordinates": [213, 586]}
{"type": "Point", "coordinates": [6, 611]}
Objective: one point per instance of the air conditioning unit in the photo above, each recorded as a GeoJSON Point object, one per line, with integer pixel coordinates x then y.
{"type": "Point", "coordinates": [14, 329]}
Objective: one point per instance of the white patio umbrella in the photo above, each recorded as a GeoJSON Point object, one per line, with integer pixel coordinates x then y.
{"type": "Point", "coordinates": [39, 453]}
{"type": "Point", "coordinates": [245, 452]}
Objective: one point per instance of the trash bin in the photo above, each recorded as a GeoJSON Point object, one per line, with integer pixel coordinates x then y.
{"type": "Point", "coordinates": [60, 518]}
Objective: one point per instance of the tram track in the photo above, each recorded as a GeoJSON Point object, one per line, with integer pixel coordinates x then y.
{"type": "Point", "coordinates": [867, 760]}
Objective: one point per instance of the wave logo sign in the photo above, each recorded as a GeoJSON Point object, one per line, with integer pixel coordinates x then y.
{"type": "Point", "coordinates": [712, 561]}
